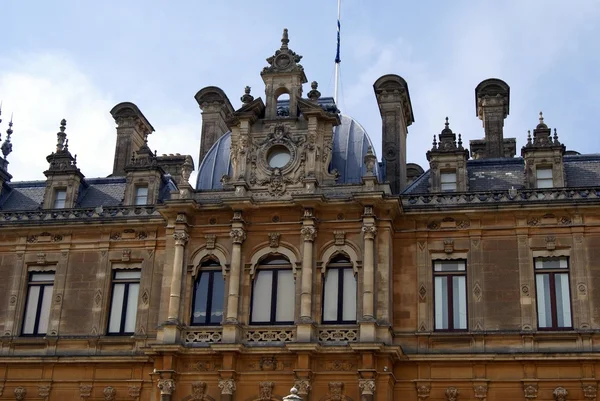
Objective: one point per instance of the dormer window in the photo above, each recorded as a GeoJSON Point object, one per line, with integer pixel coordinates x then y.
{"type": "Point", "coordinates": [448, 181]}
{"type": "Point", "coordinates": [543, 177]}
{"type": "Point", "coordinates": [141, 195]}
{"type": "Point", "coordinates": [60, 197]}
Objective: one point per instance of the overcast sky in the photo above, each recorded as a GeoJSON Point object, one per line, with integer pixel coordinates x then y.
{"type": "Point", "coordinates": [76, 59]}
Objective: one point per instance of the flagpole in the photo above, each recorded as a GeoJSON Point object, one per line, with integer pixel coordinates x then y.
{"type": "Point", "coordinates": [337, 55]}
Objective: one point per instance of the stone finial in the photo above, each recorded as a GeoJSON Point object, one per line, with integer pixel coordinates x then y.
{"type": "Point", "coordinates": [186, 169]}
{"type": "Point", "coordinates": [541, 123]}
{"type": "Point", "coordinates": [247, 97]}
{"type": "Point", "coordinates": [556, 142]}
{"type": "Point", "coordinates": [434, 147]}
{"type": "Point", "coordinates": [314, 94]}
{"type": "Point", "coordinates": [284, 39]}
{"type": "Point", "coordinates": [460, 143]}
{"type": "Point", "coordinates": [61, 136]}
{"type": "Point", "coordinates": [529, 143]}
{"type": "Point", "coordinates": [7, 146]}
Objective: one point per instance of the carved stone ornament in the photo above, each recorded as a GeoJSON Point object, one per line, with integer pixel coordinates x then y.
{"type": "Point", "coordinates": [335, 391]}
{"type": "Point", "coordinates": [134, 391]}
{"type": "Point", "coordinates": [560, 394]}
{"type": "Point", "coordinates": [370, 232]}
{"type": "Point", "coordinates": [20, 393]}
{"type": "Point", "coordinates": [181, 237]}
{"type": "Point", "coordinates": [109, 393]}
{"type": "Point", "coordinates": [590, 391]}
{"type": "Point", "coordinates": [198, 391]}
{"type": "Point", "coordinates": [181, 218]}
{"type": "Point", "coordinates": [423, 391]}
{"type": "Point", "coordinates": [309, 233]}
{"type": "Point", "coordinates": [126, 255]}
{"type": "Point", "coordinates": [368, 211]}
{"type": "Point", "coordinates": [449, 245]}
{"type": "Point", "coordinates": [44, 391]}
{"type": "Point", "coordinates": [366, 386]}
{"type": "Point", "coordinates": [530, 391]}
{"type": "Point", "coordinates": [274, 240]}
{"type": "Point", "coordinates": [480, 391]}
{"type": "Point", "coordinates": [238, 236]}
{"type": "Point", "coordinates": [211, 239]}
{"type": "Point", "coordinates": [166, 386]}
{"type": "Point", "coordinates": [550, 243]}
{"type": "Point", "coordinates": [227, 386]}
{"type": "Point", "coordinates": [85, 391]}
{"type": "Point", "coordinates": [339, 237]}
{"type": "Point", "coordinates": [265, 390]}
{"type": "Point", "coordinates": [303, 386]}
{"type": "Point", "coordinates": [452, 394]}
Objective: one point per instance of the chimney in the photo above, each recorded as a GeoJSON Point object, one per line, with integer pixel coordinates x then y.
{"type": "Point", "coordinates": [216, 110]}
{"type": "Point", "coordinates": [492, 98]}
{"type": "Point", "coordinates": [132, 128]}
{"type": "Point", "coordinates": [396, 115]}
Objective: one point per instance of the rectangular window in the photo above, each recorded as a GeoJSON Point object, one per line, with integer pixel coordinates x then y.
{"type": "Point", "coordinates": [39, 300]}
{"type": "Point", "coordinates": [209, 291]}
{"type": "Point", "coordinates": [60, 197]}
{"type": "Point", "coordinates": [450, 294]}
{"type": "Point", "coordinates": [448, 181]}
{"type": "Point", "coordinates": [273, 297]}
{"type": "Point", "coordinates": [553, 294]}
{"type": "Point", "coordinates": [339, 296]}
{"type": "Point", "coordinates": [544, 177]}
{"type": "Point", "coordinates": [141, 195]}
{"type": "Point", "coordinates": [123, 308]}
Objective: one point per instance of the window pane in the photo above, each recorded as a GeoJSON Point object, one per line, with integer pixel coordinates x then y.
{"type": "Point", "coordinates": [349, 301]}
{"type": "Point", "coordinates": [544, 173]}
{"type": "Point", "coordinates": [544, 307]}
{"type": "Point", "coordinates": [563, 300]}
{"type": "Point", "coordinates": [545, 183]}
{"type": "Point", "coordinates": [459, 303]}
{"type": "Point", "coordinates": [141, 195]}
{"type": "Point", "coordinates": [286, 296]}
{"type": "Point", "coordinates": [449, 187]}
{"type": "Point", "coordinates": [216, 313]}
{"type": "Point", "coordinates": [42, 277]}
{"type": "Point", "coordinates": [447, 178]}
{"type": "Point", "coordinates": [201, 297]}
{"type": "Point", "coordinates": [261, 304]}
{"type": "Point", "coordinates": [449, 265]}
{"type": "Point", "coordinates": [132, 301]}
{"type": "Point", "coordinates": [551, 263]}
{"type": "Point", "coordinates": [45, 310]}
{"type": "Point", "coordinates": [127, 274]}
{"type": "Point", "coordinates": [441, 303]}
{"type": "Point", "coordinates": [330, 295]}
{"type": "Point", "coordinates": [141, 191]}
{"type": "Point", "coordinates": [116, 308]}
{"type": "Point", "coordinates": [31, 309]}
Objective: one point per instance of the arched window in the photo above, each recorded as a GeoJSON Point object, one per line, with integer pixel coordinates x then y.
{"type": "Point", "coordinates": [273, 292]}
{"type": "Point", "coordinates": [339, 292]}
{"type": "Point", "coordinates": [209, 293]}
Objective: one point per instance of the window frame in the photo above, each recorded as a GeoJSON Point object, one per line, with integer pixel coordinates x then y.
{"type": "Point", "coordinates": [209, 266]}
{"type": "Point", "coordinates": [56, 199]}
{"type": "Point", "coordinates": [123, 312]}
{"type": "Point", "coordinates": [449, 275]}
{"type": "Point", "coordinates": [275, 269]}
{"type": "Point", "coordinates": [552, 272]}
{"type": "Point", "coordinates": [38, 309]}
{"type": "Point", "coordinates": [544, 179]}
{"type": "Point", "coordinates": [340, 264]}
{"type": "Point", "coordinates": [454, 183]}
{"type": "Point", "coordinates": [136, 195]}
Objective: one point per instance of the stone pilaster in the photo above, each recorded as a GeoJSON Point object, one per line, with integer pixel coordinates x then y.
{"type": "Point", "coordinates": [171, 328]}
{"type": "Point", "coordinates": [367, 323]}
{"type": "Point", "coordinates": [308, 234]}
{"type": "Point", "coordinates": [238, 236]}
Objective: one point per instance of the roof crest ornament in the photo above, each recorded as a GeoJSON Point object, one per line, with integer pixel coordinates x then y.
{"type": "Point", "coordinates": [61, 136]}
{"type": "Point", "coordinates": [247, 97]}
{"type": "Point", "coordinates": [7, 145]}
{"type": "Point", "coordinates": [284, 59]}
{"type": "Point", "coordinates": [284, 39]}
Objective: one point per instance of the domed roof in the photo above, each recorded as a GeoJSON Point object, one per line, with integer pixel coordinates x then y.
{"type": "Point", "coordinates": [350, 144]}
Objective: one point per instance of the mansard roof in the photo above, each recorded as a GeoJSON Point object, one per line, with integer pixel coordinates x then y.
{"type": "Point", "coordinates": [502, 174]}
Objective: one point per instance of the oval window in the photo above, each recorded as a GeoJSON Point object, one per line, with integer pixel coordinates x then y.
{"type": "Point", "coordinates": [278, 156]}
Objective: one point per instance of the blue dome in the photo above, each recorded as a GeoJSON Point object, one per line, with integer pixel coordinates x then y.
{"type": "Point", "coordinates": [350, 144]}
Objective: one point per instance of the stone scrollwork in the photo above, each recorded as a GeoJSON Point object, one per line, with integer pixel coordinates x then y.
{"type": "Point", "coordinates": [20, 393]}
{"type": "Point", "coordinates": [366, 386]}
{"type": "Point", "coordinates": [85, 391]}
{"type": "Point", "coordinates": [370, 232]}
{"type": "Point", "coordinates": [238, 235]}
{"type": "Point", "coordinates": [166, 386]}
{"type": "Point", "coordinates": [181, 237]}
{"type": "Point", "coordinates": [227, 386]}
{"type": "Point", "coordinates": [309, 233]}
{"type": "Point", "coordinates": [560, 394]}
{"type": "Point", "coordinates": [530, 391]}
{"type": "Point", "coordinates": [109, 393]}
{"type": "Point", "coordinates": [423, 391]}
{"type": "Point", "coordinates": [303, 386]}
{"type": "Point", "coordinates": [590, 391]}
{"type": "Point", "coordinates": [198, 391]}
{"type": "Point", "coordinates": [339, 237]}
{"type": "Point", "coordinates": [335, 391]}
{"type": "Point", "coordinates": [480, 391]}
{"type": "Point", "coordinates": [265, 390]}
{"type": "Point", "coordinates": [452, 394]}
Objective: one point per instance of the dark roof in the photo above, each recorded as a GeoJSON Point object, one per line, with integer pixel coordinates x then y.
{"type": "Point", "coordinates": [505, 173]}
{"type": "Point", "coordinates": [102, 191]}
{"type": "Point", "coordinates": [25, 195]}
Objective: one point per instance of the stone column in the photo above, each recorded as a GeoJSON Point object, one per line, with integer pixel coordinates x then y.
{"type": "Point", "coordinates": [309, 234]}
{"type": "Point", "coordinates": [238, 236]}
{"type": "Point", "coordinates": [367, 389]}
{"type": "Point", "coordinates": [166, 387]}
{"type": "Point", "coordinates": [367, 323]}
{"type": "Point", "coordinates": [227, 387]}
{"type": "Point", "coordinates": [181, 238]}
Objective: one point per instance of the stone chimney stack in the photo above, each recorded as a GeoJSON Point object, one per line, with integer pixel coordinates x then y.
{"type": "Point", "coordinates": [132, 128]}
{"type": "Point", "coordinates": [216, 110]}
{"type": "Point", "coordinates": [492, 98]}
{"type": "Point", "coordinates": [396, 115]}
